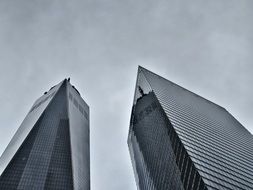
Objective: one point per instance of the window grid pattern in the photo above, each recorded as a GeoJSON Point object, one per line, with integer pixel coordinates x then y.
{"type": "Point", "coordinates": [156, 162]}
{"type": "Point", "coordinates": [80, 140]}
{"type": "Point", "coordinates": [189, 175]}
{"type": "Point", "coordinates": [220, 147]}
{"type": "Point", "coordinates": [78, 106]}
{"type": "Point", "coordinates": [11, 176]}
{"type": "Point", "coordinates": [159, 158]}
{"type": "Point", "coordinates": [60, 163]}
{"type": "Point", "coordinates": [44, 156]}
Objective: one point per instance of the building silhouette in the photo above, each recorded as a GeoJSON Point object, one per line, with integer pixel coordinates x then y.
{"type": "Point", "coordinates": [181, 141]}
{"type": "Point", "coordinates": [50, 150]}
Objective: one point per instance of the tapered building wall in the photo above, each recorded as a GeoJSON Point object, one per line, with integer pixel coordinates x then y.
{"type": "Point", "coordinates": [196, 141]}
{"type": "Point", "coordinates": [43, 153]}
{"type": "Point", "coordinates": [78, 112]}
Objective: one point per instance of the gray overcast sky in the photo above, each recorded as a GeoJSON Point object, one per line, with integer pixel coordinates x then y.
{"type": "Point", "coordinates": [204, 46]}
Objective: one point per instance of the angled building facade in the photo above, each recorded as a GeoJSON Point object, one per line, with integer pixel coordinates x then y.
{"type": "Point", "coordinates": [181, 141]}
{"type": "Point", "coordinates": [50, 150]}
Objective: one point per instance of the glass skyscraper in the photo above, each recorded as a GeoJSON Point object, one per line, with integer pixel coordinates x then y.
{"type": "Point", "coordinates": [50, 150]}
{"type": "Point", "coordinates": [181, 141]}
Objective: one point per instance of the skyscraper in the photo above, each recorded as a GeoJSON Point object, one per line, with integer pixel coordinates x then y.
{"type": "Point", "coordinates": [50, 150]}
{"type": "Point", "coordinates": [181, 141]}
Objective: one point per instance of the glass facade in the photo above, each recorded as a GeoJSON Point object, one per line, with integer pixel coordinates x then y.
{"type": "Point", "coordinates": [78, 112]}
{"type": "Point", "coordinates": [196, 141]}
{"type": "Point", "coordinates": [45, 158]}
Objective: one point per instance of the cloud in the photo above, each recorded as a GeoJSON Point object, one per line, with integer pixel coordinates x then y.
{"type": "Point", "coordinates": [205, 47]}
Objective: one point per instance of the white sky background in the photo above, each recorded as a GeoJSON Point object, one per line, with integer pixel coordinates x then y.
{"type": "Point", "coordinates": [204, 46]}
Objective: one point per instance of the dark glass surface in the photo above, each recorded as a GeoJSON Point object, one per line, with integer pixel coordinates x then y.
{"type": "Point", "coordinates": [26, 127]}
{"type": "Point", "coordinates": [149, 129]}
{"type": "Point", "coordinates": [60, 172]}
{"type": "Point", "coordinates": [48, 157]}
{"type": "Point", "coordinates": [10, 178]}
{"type": "Point", "coordinates": [212, 140]}
{"type": "Point", "coordinates": [159, 158]}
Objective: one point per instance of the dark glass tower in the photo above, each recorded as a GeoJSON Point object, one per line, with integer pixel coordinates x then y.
{"type": "Point", "coordinates": [50, 150]}
{"type": "Point", "coordinates": [181, 141]}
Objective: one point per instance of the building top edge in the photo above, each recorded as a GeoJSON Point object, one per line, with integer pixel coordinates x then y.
{"type": "Point", "coordinates": [140, 68]}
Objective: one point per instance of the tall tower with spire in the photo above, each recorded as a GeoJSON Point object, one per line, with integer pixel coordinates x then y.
{"type": "Point", "coordinates": [51, 148]}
